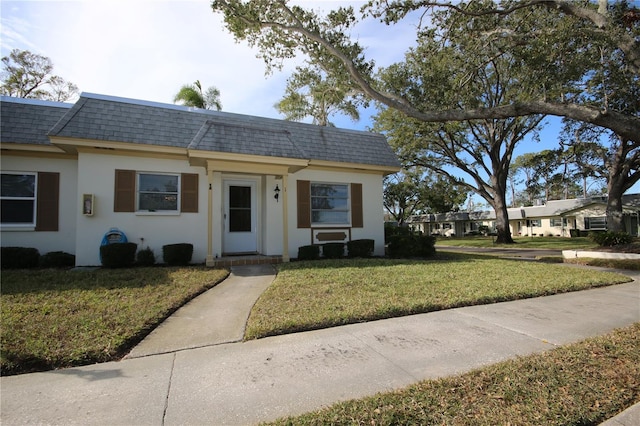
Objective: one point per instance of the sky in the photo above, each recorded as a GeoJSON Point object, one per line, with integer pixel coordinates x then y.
{"type": "Point", "coordinates": [148, 49]}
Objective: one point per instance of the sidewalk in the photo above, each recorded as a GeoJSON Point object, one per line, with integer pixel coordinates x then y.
{"type": "Point", "coordinates": [245, 383]}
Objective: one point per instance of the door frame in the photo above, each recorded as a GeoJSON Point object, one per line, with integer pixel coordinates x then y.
{"type": "Point", "coordinates": [252, 241]}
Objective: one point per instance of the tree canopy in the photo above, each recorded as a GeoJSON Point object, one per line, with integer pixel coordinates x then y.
{"type": "Point", "coordinates": [29, 75]}
{"type": "Point", "coordinates": [192, 95]}
{"type": "Point", "coordinates": [311, 93]}
{"type": "Point", "coordinates": [576, 60]}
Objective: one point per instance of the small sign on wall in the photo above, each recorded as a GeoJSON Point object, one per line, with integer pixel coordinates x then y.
{"type": "Point", "coordinates": [88, 204]}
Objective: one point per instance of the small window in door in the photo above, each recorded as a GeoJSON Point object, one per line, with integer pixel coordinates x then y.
{"type": "Point", "coordinates": [239, 208]}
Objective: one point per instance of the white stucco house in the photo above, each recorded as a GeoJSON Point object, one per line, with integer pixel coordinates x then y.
{"type": "Point", "coordinates": [560, 218]}
{"type": "Point", "coordinates": [229, 184]}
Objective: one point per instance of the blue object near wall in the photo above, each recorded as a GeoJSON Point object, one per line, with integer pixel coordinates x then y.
{"type": "Point", "coordinates": [113, 235]}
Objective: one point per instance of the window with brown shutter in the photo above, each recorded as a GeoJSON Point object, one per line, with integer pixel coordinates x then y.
{"type": "Point", "coordinates": [304, 204]}
{"type": "Point", "coordinates": [124, 199]}
{"type": "Point", "coordinates": [48, 201]}
{"type": "Point", "coordinates": [189, 195]}
{"type": "Point", "coordinates": [357, 220]}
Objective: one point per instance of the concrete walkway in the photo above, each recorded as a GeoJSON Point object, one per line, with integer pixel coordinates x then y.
{"type": "Point", "coordinates": [240, 383]}
{"type": "Point", "coordinates": [215, 317]}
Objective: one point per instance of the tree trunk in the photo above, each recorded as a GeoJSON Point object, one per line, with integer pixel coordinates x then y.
{"type": "Point", "coordinates": [614, 206]}
{"type": "Point", "coordinates": [502, 221]}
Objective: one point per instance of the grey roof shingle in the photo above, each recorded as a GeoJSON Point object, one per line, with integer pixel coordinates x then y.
{"type": "Point", "coordinates": [27, 121]}
{"type": "Point", "coordinates": [124, 120]}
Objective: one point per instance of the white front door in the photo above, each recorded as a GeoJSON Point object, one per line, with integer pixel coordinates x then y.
{"type": "Point", "coordinates": [240, 224]}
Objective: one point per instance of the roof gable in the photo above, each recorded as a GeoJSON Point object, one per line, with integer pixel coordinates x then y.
{"type": "Point", "coordinates": [98, 117]}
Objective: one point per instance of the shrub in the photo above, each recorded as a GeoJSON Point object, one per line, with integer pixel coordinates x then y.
{"type": "Point", "coordinates": [57, 259]}
{"type": "Point", "coordinates": [360, 248]}
{"type": "Point", "coordinates": [19, 257]}
{"type": "Point", "coordinates": [177, 254]}
{"type": "Point", "coordinates": [412, 246]}
{"type": "Point", "coordinates": [118, 255]}
{"type": "Point", "coordinates": [392, 230]}
{"type": "Point", "coordinates": [145, 257]}
{"type": "Point", "coordinates": [574, 233]}
{"type": "Point", "coordinates": [608, 239]}
{"type": "Point", "coordinates": [333, 250]}
{"type": "Point", "coordinates": [311, 252]}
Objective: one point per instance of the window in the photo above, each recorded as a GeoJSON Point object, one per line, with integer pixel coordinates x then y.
{"type": "Point", "coordinates": [534, 223]}
{"type": "Point", "coordinates": [597, 222]}
{"type": "Point", "coordinates": [30, 200]}
{"type": "Point", "coordinates": [158, 192]}
{"type": "Point", "coordinates": [329, 203]}
{"type": "Point", "coordinates": [155, 192]}
{"type": "Point", "coordinates": [19, 198]}
{"type": "Point", "coordinates": [556, 222]}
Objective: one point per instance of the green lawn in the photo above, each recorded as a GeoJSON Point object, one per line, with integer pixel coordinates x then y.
{"type": "Point", "coordinates": [312, 295]}
{"type": "Point", "coordinates": [553, 243]}
{"type": "Point", "coordinates": [62, 318]}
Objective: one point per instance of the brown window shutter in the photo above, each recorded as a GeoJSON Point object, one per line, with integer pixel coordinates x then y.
{"type": "Point", "coordinates": [304, 204]}
{"type": "Point", "coordinates": [189, 194]}
{"type": "Point", "coordinates": [357, 220]}
{"type": "Point", "coordinates": [124, 199]}
{"type": "Point", "coordinates": [48, 201]}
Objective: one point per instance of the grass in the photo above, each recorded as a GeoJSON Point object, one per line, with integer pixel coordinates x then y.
{"type": "Point", "coordinates": [579, 384]}
{"type": "Point", "coordinates": [61, 318]}
{"type": "Point", "coordinates": [552, 243]}
{"type": "Point", "coordinates": [313, 295]}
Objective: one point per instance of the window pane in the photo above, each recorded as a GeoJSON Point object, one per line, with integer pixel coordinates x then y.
{"type": "Point", "coordinates": [328, 216]}
{"type": "Point", "coordinates": [240, 220]}
{"type": "Point", "coordinates": [158, 183]}
{"type": "Point", "coordinates": [321, 203]}
{"type": "Point", "coordinates": [155, 202]}
{"type": "Point", "coordinates": [18, 185]}
{"type": "Point", "coordinates": [17, 211]}
{"type": "Point", "coordinates": [240, 197]}
{"type": "Point", "coordinates": [329, 190]}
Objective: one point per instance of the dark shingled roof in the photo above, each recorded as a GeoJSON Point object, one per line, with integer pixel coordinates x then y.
{"type": "Point", "coordinates": [27, 121]}
{"type": "Point", "coordinates": [124, 120]}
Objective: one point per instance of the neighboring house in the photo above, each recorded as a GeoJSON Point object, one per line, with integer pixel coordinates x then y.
{"type": "Point", "coordinates": [555, 218]}
{"type": "Point", "coordinates": [229, 184]}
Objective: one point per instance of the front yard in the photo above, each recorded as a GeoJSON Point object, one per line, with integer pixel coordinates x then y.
{"type": "Point", "coordinates": [53, 318]}
{"type": "Point", "coordinates": [56, 318]}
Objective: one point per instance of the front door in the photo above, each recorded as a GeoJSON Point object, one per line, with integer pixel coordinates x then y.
{"type": "Point", "coordinates": [240, 233]}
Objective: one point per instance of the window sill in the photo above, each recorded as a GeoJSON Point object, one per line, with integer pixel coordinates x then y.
{"type": "Point", "coordinates": [161, 213]}
{"type": "Point", "coordinates": [18, 228]}
{"type": "Point", "coordinates": [330, 225]}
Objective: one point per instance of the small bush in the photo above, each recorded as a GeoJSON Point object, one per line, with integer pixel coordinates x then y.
{"type": "Point", "coordinates": [608, 239]}
{"type": "Point", "coordinates": [177, 254]}
{"type": "Point", "coordinates": [57, 259]}
{"type": "Point", "coordinates": [145, 257]}
{"type": "Point", "coordinates": [333, 250]}
{"type": "Point", "coordinates": [392, 230]}
{"type": "Point", "coordinates": [19, 257]}
{"type": "Point", "coordinates": [412, 246]}
{"type": "Point", "coordinates": [360, 248]}
{"type": "Point", "coordinates": [311, 252]}
{"type": "Point", "coordinates": [118, 255]}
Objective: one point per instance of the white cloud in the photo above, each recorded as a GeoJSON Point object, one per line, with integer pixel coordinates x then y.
{"type": "Point", "coordinates": [148, 49]}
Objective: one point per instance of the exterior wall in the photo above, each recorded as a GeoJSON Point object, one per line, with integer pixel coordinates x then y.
{"type": "Point", "coordinates": [96, 175]}
{"type": "Point", "coordinates": [593, 211]}
{"type": "Point", "coordinates": [545, 228]}
{"type": "Point", "coordinates": [373, 214]}
{"type": "Point", "coordinates": [64, 238]}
